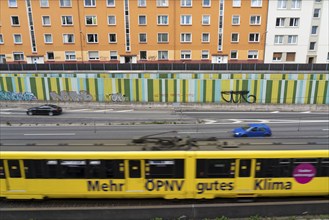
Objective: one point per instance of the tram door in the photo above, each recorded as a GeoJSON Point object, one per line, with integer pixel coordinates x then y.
{"type": "Point", "coordinates": [15, 180]}
{"type": "Point", "coordinates": [135, 179]}
{"type": "Point", "coordinates": [245, 176]}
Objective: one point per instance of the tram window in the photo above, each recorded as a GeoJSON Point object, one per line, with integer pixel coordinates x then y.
{"type": "Point", "coordinates": [52, 170]}
{"type": "Point", "coordinates": [102, 169]}
{"type": "Point", "coordinates": [311, 161]}
{"type": "Point", "coordinates": [215, 168]}
{"type": "Point", "coordinates": [73, 169]}
{"type": "Point", "coordinates": [164, 168]}
{"type": "Point", "coordinates": [273, 168]}
{"type": "Point", "coordinates": [2, 170]}
{"type": "Point", "coordinates": [14, 169]}
{"type": "Point", "coordinates": [34, 169]}
{"type": "Point", "coordinates": [324, 167]}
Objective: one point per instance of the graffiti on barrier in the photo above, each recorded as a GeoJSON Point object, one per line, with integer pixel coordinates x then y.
{"type": "Point", "coordinates": [72, 96]}
{"type": "Point", "coordinates": [237, 96]}
{"type": "Point", "coordinates": [117, 97]}
{"type": "Point", "coordinates": [17, 96]}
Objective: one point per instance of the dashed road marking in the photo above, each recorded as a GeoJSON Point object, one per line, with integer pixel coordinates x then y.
{"type": "Point", "coordinates": [50, 134]}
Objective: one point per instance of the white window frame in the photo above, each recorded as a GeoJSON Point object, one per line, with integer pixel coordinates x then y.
{"type": "Point", "coordinates": [296, 4]}
{"type": "Point", "coordinates": [44, 3]}
{"type": "Point", "coordinates": [139, 38]}
{"type": "Point", "coordinates": [93, 19]}
{"type": "Point", "coordinates": [185, 55]}
{"type": "Point", "coordinates": [70, 55]}
{"type": "Point", "coordinates": [65, 3]}
{"type": "Point", "coordinates": [64, 20]}
{"type": "Point", "coordinates": [255, 38]}
{"type": "Point", "coordinates": [11, 20]}
{"type": "Point", "coordinates": [275, 58]}
{"type": "Point", "coordinates": [205, 21]}
{"type": "Point", "coordinates": [317, 11]}
{"type": "Point", "coordinates": [206, 3]}
{"type": "Point", "coordinates": [139, 20]}
{"type": "Point", "coordinates": [236, 3]}
{"type": "Point", "coordinates": [110, 3]}
{"type": "Point", "coordinates": [46, 37]}
{"type": "Point", "coordinates": [18, 39]}
{"type": "Point", "coordinates": [1, 39]}
{"type": "Point", "coordinates": [21, 54]}
{"type": "Point", "coordinates": [204, 54]}
{"type": "Point", "coordinates": [316, 28]}
{"type": "Point", "coordinates": [252, 54]}
{"type": "Point", "coordinates": [234, 58]}
{"type": "Point", "coordinates": [186, 3]}
{"type": "Point", "coordinates": [256, 19]}
{"type": "Point", "coordinates": [43, 20]}
{"type": "Point", "coordinates": [256, 3]}
{"type": "Point", "coordinates": [141, 3]}
{"type": "Point", "coordinates": [282, 4]}
{"type": "Point", "coordinates": [95, 38]}
{"type": "Point", "coordinates": [48, 53]}
{"type": "Point", "coordinates": [161, 53]}
{"type": "Point", "coordinates": [162, 3]}
{"type": "Point", "coordinates": [113, 53]}
{"type": "Point", "coordinates": [89, 3]}
{"type": "Point", "coordinates": [281, 22]}
{"type": "Point", "coordinates": [238, 37]}
{"type": "Point", "coordinates": [278, 39]}
{"type": "Point", "coordinates": [292, 39]}
{"type": "Point", "coordinates": [186, 20]}
{"type": "Point", "coordinates": [110, 36]}
{"type": "Point", "coordinates": [93, 55]}
{"type": "Point", "coordinates": [68, 38]}
{"type": "Point", "coordinates": [12, 3]}
{"type": "Point", "coordinates": [294, 21]}
{"type": "Point", "coordinates": [235, 18]}
{"type": "Point", "coordinates": [160, 37]}
{"type": "Point", "coordinates": [162, 20]}
{"type": "Point", "coordinates": [186, 37]}
{"type": "Point", "coordinates": [108, 19]}
{"type": "Point", "coordinates": [203, 35]}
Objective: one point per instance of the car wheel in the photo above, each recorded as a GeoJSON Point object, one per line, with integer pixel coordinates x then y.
{"type": "Point", "coordinates": [50, 113]}
{"type": "Point", "coordinates": [30, 113]}
{"type": "Point", "coordinates": [244, 135]}
{"type": "Point", "coordinates": [267, 135]}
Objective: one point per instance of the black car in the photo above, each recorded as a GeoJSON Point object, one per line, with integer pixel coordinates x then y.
{"type": "Point", "coordinates": [47, 109]}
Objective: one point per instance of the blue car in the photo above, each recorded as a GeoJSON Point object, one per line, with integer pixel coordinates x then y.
{"type": "Point", "coordinates": [253, 130]}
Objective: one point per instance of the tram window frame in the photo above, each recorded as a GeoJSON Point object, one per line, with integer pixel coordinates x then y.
{"type": "Point", "coordinates": [323, 168]}
{"type": "Point", "coordinates": [272, 168]}
{"type": "Point", "coordinates": [2, 170]}
{"type": "Point", "coordinates": [16, 172]}
{"type": "Point", "coordinates": [203, 168]}
{"type": "Point", "coordinates": [165, 170]}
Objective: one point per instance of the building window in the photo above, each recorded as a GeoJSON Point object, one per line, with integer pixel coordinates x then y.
{"type": "Point", "coordinates": [90, 3]}
{"type": "Point", "coordinates": [186, 37]}
{"type": "Point", "coordinates": [18, 56]}
{"type": "Point", "coordinates": [252, 54]}
{"type": "Point", "coordinates": [163, 55]}
{"type": "Point", "coordinates": [18, 39]}
{"type": "Point", "coordinates": [46, 20]}
{"type": "Point", "coordinates": [111, 20]}
{"type": "Point", "coordinates": [206, 3]}
{"type": "Point", "coordinates": [256, 3]}
{"type": "Point", "coordinates": [295, 4]}
{"type": "Point", "coordinates": [292, 39]}
{"type": "Point", "coordinates": [254, 37]}
{"type": "Point", "coordinates": [48, 38]}
{"type": "Point", "coordinates": [162, 37]}
{"type": "Point", "coordinates": [67, 20]}
{"type": "Point", "coordinates": [205, 19]}
{"type": "Point", "coordinates": [110, 3]}
{"type": "Point", "coordinates": [186, 3]}
{"type": "Point", "coordinates": [316, 13]}
{"type": "Point", "coordinates": [235, 19]}
{"type": "Point", "coordinates": [142, 19]}
{"type": "Point", "coordinates": [113, 55]}
{"type": "Point", "coordinates": [185, 54]}
{"type": "Point", "coordinates": [142, 38]}
{"type": "Point", "coordinates": [68, 38]}
{"type": "Point", "coordinates": [93, 55]}
{"type": "Point", "coordinates": [92, 38]}
{"type": "Point", "coordinates": [14, 21]}
{"type": "Point", "coordinates": [236, 3]}
{"type": "Point", "coordinates": [255, 20]}
{"type": "Point", "coordinates": [328, 56]}
{"type": "Point", "coordinates": [282, 4]}
{"type": "Point", "coordinates": [294, 22]}
{"type": "Point", "coordinates": [50, 56]}
{"type": "Point", "coordinates": [314, 30]}
{"type": "Point", "coordinates": [162, 3]}
{"type": "Point", "coordinates": [1, 39]}
{"type": "Point", "coordinates": [290, 56]}
{"type": "Point", "coordinates": [277, 56]}
{"type": "Point", "coordinates": [205, 38]}
{"type": "Point", "coordinates": [163, 20]}
{"type": "Point", "coordinates": [142, 55]}
{"type": "Point", "coordinates": [186, 19]}
{"type": "Point", "coordinates": [235, 37]}
{"type": "Point", "coordinates": [65, 3]}
{"type": "Point", "coordinates": [12, 3]}
{"type": "Point", "coordinates": [91, 20]}
{"type": "Point", "coordinates": [204, 54]}
{"type": "Point", "coordinates": [70, 55]}
{"type": "Point", "coordinates": [234, 54]}
{"type": "Point", "coordinates": [112, 38]}
{"type": "Point", "coordinates": [278, 39]}
{"type": "Point", "coordinates": [280, 22]}
{"type": "Point", "coordinates": [312, 45]}
{"type": "Point", "coordinates": [44, 3]}
{"type": "Point", "coordinates": [141, 3]}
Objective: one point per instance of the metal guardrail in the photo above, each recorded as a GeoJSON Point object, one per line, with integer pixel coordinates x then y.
{"type": "Point", "coordinates": [163, 67]}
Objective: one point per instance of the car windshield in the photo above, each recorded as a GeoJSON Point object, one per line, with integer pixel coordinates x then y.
{"type": "Point", "coordinates": [246, 128]}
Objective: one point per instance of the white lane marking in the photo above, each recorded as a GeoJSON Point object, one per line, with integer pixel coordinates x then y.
{"type": "Point", "coordinates": [199, 132]}
{"type": "Point", "coordinates": [7, 109]}
{"type": "Point", "coordinates": [78, 110]}
{"type": "Point", "coordinates": [306, 112]}
{"type": "Point", "coordinates": [275, 112]}
{"type": "Point", "coordinates": [9, 113]}
{"type": "Point", "coordinates": [104, 110]}
{"type": "Point", "coordinates": [50, 134]}
{"type": "Point", "coordinates": [209, 121]}
{"type": "Point", "coordinates": [129, 110]}
{"type": "Point", "coordinates": [235, 121]}
{"type": "Point", "coordinates": [326, 129]}
{"type": "Point", "coordinates": [5, 113]}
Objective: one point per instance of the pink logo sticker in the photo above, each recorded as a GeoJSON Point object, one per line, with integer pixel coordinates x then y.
{"type": "Point", "coordinates": [304, 173]}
